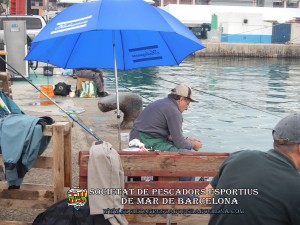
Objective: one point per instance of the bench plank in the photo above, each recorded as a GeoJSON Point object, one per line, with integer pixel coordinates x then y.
{"type": "Point", "coordinates": [201, 219]}
{"type": "Point", "coordinates": [42, 162]}
{"type": "Point", "coordinates": [175, 185]}
{"type": "Point", "coordinates": [164, 164]}
{"type": "Point", "coordinates": [29, 187]}
{"type": "Point", "coordinates": [4, 222]}
{"type": "Point", "coordinates": [32, 204]}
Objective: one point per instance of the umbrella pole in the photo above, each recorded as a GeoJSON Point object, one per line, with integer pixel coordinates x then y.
{"type": "Point", "coordinates": [39, 90]}
{"type": "Point", "coordinates": [117, 95]}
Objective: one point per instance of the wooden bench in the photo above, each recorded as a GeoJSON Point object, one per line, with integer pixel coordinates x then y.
{"type": "Point", "coordinates": [37, 196]}
{"type": "Point", "coordinates": [168, 167]}
{"type": "Point", "coordinates": [5, 84]}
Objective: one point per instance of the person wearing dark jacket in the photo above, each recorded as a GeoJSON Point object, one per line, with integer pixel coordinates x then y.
{"type": "Point", "coordinates": [263, 186]}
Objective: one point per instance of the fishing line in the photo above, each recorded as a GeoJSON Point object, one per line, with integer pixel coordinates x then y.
{"type": "Point", "coordinates": [214, 95]}
{"type": "Point", "coordinates": [39, 90]}
{"type": "Point", "coordinates": [122, 85]}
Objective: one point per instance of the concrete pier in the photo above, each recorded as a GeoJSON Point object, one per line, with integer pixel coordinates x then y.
{"type": "Point", "coordinates": [222, 49]}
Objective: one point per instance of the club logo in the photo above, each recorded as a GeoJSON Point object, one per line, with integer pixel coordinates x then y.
{"type": "Point", "coordinates": [71, 25]}
{"type": "Point", "coordinates": [77, 197]}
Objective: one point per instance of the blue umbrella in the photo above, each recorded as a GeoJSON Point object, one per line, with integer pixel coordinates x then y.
{"type": "Point", "coordinates": [84, 36]}
{"type": "Point", "coordinates": [113, 34]}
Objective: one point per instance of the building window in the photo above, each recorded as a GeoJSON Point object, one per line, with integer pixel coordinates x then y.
{"type": "Point", "coordinates": [278, 4]}
{"type": "Point", "coordinates": [36, 4]}
{"type": "Point", "coordinates": [292, 5]}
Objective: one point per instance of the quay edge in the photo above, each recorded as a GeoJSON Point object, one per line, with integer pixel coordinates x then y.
{"type": "Point", "coordinates": [222, 49]}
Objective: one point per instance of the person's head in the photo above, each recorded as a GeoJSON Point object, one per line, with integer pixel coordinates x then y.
{"type": "Point", "coordinates": [286, 136]}
{"type": "Point", "coordinates": [183, 96]}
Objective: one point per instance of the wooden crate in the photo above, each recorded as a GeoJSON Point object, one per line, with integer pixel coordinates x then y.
{"type": "Point", "coordinates": [5, 84]}
{"type": "Point", "coordinates": [36, 196]}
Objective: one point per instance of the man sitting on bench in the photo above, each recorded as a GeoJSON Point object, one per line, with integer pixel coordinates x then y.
{"type": "Point", "coordinates": [159, 125]}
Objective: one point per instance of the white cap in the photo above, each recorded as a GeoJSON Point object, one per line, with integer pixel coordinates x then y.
{"type": "Point", "coordinates": [184, 91]}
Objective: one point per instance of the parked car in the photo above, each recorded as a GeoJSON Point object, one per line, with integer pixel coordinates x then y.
{"type": "Point", "coordinates": [34, 25]}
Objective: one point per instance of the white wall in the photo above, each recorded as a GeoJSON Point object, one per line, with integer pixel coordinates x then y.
{"type": "Point", "coordinates": [295, 33]}
{"type": "Point", "coordinates": [244, 23]}
{"type": "Point", "coordinates": [71, 1]}
{"type": "Point", "coordinates": [198, 14]}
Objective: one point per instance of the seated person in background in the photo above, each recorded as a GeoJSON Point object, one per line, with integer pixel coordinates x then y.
{"type": "Point", "coordinates": [159, 125]}
{"type": "Point", "coordinates": [95, 75]}
{"type": "Point", "coordinates": [265, 184]}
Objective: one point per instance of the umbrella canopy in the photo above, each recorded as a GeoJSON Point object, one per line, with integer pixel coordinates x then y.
{"type": "Point", "coordinates": [128, 33]}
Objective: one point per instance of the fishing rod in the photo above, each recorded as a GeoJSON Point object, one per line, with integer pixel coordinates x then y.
{"type": "Point", "coordinates": [217, 96]}
{"type": "Point", "coordinates": [68, 114]}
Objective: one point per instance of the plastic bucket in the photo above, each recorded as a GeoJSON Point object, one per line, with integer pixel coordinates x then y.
{"type": "Point", "coordinates": [48, 70]}
{"type": "Point", "coordinates": [48, 90]}
{"type": "Point", "coordinates": [46, 102]}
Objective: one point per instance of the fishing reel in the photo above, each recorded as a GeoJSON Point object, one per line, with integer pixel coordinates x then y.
{"type": "Point", "coordinates": [33, 64]}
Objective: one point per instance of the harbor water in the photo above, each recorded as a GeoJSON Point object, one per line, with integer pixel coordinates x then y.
{"type": "Point", "coordinates": [240, 99]}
